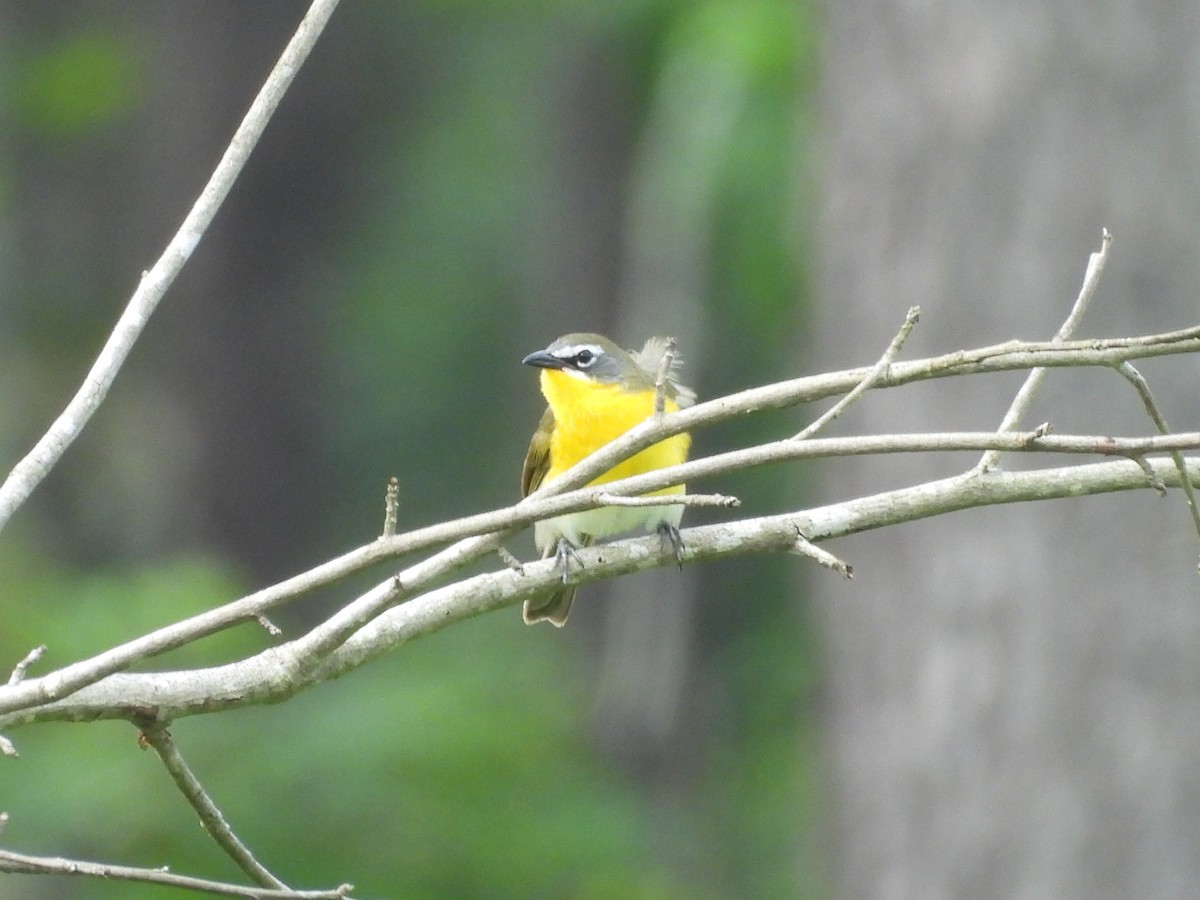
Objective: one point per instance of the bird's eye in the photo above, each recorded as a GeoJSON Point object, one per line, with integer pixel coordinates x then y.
{"type": "Point", "coordinates": [584, 358]}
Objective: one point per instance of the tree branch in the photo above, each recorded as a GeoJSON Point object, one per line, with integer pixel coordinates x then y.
{"type": "Point", "coordinates": [876, 373]}
{"type": "Point", "coordinates": [157, 736]}
{"type": "Point", "coordinates": [22, 864]}
{"type": "Point", "coordinates": [267, 678]}
{"type": "Point", "coordinates": [662, 377]}
{"type": "Point", "coordinates": [29, 472]}
{"type": "Point", "coordinates": [499, 523]}
{"type": "Point", "coordinates": [1127, 371]}
{"type": "Point", "coordinates": [19, 670]}
{"type": "Point", "coordinates": [1024, 398]}
{"type": "Point", "coordinates": [61, 683]}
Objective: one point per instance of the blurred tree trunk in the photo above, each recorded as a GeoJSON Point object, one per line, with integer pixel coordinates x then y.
{"type": "Point", "coordinates": [1014, 691]}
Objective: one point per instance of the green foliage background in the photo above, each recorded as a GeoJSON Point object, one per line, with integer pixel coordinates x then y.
{"type": "Point", "coordinates": [447, 187]}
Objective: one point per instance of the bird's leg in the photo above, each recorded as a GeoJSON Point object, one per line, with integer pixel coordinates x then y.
{"type": "Point", "coordinates": [670, 535]}
{"type": "Point", "coordinates": [563, 555]}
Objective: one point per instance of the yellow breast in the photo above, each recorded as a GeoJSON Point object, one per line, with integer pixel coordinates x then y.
{"type": "Point", "coordinates": [588, 415]}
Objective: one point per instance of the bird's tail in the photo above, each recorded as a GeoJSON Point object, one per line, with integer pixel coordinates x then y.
{"type": "Point", "coordinates": [552, 608]}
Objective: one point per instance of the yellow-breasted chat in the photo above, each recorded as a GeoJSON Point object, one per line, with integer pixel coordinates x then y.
{"type": "Point", "coordinates": [595, 392]}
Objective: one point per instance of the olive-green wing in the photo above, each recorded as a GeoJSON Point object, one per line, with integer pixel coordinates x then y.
{"type": "Point", "coordinates": [537, 460]}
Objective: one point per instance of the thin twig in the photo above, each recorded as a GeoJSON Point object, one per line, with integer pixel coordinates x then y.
{"type": "Point", "coordinates": [391, 507]}
{"type": "Point", "coordinates": [805, 547]}
{"type": "Point", "coordinates": [1151, 477]}
{"type": "Point", "coordinates": [8, 748]}
{"type": "Point", "coordinates": [663, 376]}
{"type": "Point", "coordinates": [876, 373]}
{"type": "Point", "coordinates": [1134, 377]}
{"type": "Point", "coordinates": [1036, 441]}
{"type": "Point", "coordinates": [720, 500]}
{"type": "Point", "coordinates": [509, 560]}
{"type": "Point", "coordinates": [23, 864]}
{"type": "Point", "coordinates": [18, 672]}
{"type": "Point", "coordinates": [29, 472]}
{"type": "Point", "coordinates": [158, 737]}
{"type": "Point", "coordinates": [1024, 397]}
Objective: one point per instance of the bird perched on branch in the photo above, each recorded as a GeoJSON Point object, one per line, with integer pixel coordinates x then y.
{"type": "Point", "coordinates": [595, 392]}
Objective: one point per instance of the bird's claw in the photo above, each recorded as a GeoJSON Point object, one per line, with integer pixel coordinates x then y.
{"type": "Point", "coordinates": [670, 535]}
{"type": "Point", "coordinates": [563, 555]}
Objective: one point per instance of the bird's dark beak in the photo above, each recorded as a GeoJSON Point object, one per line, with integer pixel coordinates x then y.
{"type": "Point", "coordinates": [543, 360]}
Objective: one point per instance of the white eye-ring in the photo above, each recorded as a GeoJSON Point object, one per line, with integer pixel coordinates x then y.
{"type": "Point", "coordinates": [580, 356]}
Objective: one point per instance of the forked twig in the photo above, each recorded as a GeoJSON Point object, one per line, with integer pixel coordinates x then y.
{"type": "Point", "coordinates": [1134, 377]}
{"type": "Point", "coordinates": [877, 372]}
{"type": "Point", "coordinates": [158, 737]}
{"type": "Point", "coordinates": [1024, 398]}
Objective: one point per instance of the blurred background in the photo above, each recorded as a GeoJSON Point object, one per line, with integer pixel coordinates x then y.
{"type": "Point", "coordinates": [1001, 704]}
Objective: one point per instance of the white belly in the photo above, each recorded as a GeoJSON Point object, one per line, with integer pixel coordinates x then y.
{"type": "Point", "coordinates": [603, 522]}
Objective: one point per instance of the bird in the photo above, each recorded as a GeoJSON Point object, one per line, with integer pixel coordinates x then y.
{"type": "Point", "coordinates": [595, 392]}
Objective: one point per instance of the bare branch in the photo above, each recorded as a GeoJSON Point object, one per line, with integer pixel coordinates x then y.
{"type": "Point", "coordinates": [1012, 355]}
{"type": "Point", "coordinates": [1036, 441]}
{"type": "Point", "coordinates": [664, 373]}
{"type": "Point", "coordinates": [1003, 357]}
{"type": "Point", "coordinates": [22, 864]}
{"type": "Point", "coordinates": [1009, 356]}
{"type": "Point", "coordinates": [805, 547]}
{"type": "Point", "coordinates": [509, 560]}
{"type": "Point", "coordinates": [720, 500]}
{"type": "Point", "coordinates": [18, 672]}
{"type": "Point", "coordinates": [158, 737]}
{"type": "Point", "coordinates": [391, 507]}
{"type": "Point", "coordinates": [270, 676]}
{"type": "Point", "coordinates": [29, 472]}
{"type": "Point", "coordinates": [1024, 398]}
{"type": "Point", "coordinates": [63, 682]}
{"type": "Point", "coordinates": [1134, 377]}
{"type": "Point", "coordinates": [910, 321]}
{"type": "Point", "coordinates": [306, 654]}
{"type": "Point", "coordinates": [1151, 478]}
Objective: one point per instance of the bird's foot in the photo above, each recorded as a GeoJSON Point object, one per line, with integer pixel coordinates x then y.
{"type": "Point", "coordinates": [563, 555]}
{"type": "Point", "coordinates": [670, 535]}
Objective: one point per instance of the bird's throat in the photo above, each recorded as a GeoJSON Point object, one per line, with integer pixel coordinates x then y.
{"type": "Point", "coordinates": [588, 415]}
